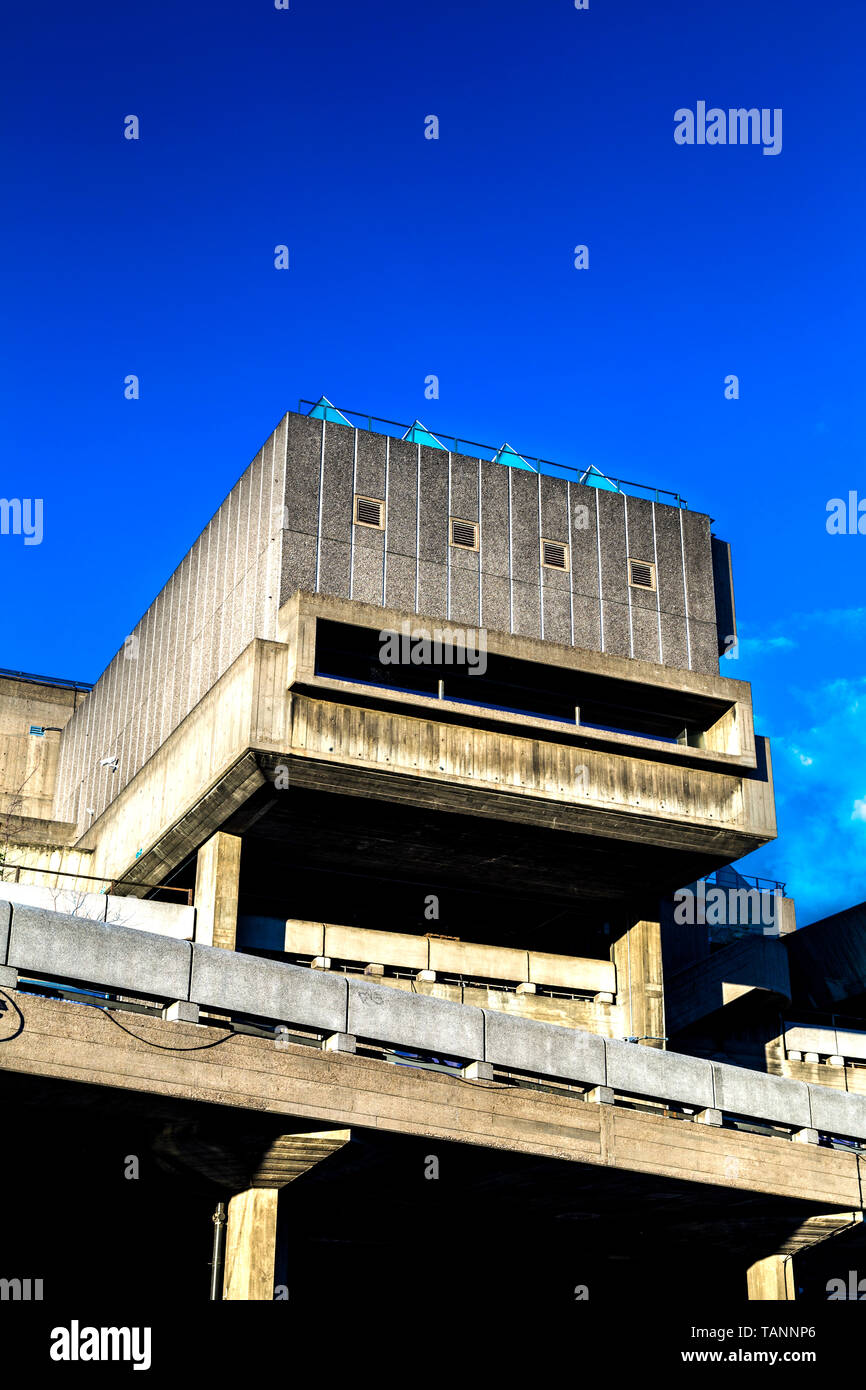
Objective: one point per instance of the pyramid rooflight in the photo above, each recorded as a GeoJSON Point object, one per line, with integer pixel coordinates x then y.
{"type": "Point", "coordinates": [324, 410]}
{"type": "Point", "coordinates": [511, 457]}
{"type": "Point", "coordinates": [419, 434]}
{"type": "Point", "coordinates": [593, 477]}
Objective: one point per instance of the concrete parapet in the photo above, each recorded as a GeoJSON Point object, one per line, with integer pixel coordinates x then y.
{"type": "Point", "coordinates": [838, 1112]}
{"type": "Point", "coordinates": [71, 948]}
{"type": "Point", "coordinates": [267, 989]}
{"type": "Point", "coordinates": [415, 1020]}
{"type": "Point", "coordinates": [543, 1049]}
{"type": "Point", "coordinates": [572, 972]}
{"type": "Point", "coordinates": [670, 1076]}
{"type": "Point", "coordinates": [739, 1091]}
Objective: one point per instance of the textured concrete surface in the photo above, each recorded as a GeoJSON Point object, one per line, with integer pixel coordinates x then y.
{"type": "Point", "coordinates": [743, 1092]}
{"type": "Point", "coordinates": [644, 1071]}
{"type": "Point", "coordinates": [70, 948]}
{"type": "Point", "coordinates": [267, 989]}
{"type": "Point", "coordinates": [544, 1049]}
{"type": "Point", "coordinates": [436, 1025]}
{"type": "Point", "coordinates": [288, 524]}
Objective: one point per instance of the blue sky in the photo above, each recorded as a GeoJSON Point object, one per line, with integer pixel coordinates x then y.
{"type": "Point", "coordinates": [454, 257]}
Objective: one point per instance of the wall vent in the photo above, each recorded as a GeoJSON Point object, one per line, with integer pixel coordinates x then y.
{"type": "Point", "coordinates": [370, 511]}
{"type": "Point", "coordinates": [554, 555]}
{"type": "Point", "coordinates": [641, 574]}
{"type": "Point", "coordinates": [464, 534]}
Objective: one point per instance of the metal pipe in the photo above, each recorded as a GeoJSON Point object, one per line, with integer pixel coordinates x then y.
{"type": "Point", "coordinates": [219, 1220]}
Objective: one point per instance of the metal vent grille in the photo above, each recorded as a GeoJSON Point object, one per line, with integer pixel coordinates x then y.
{"type": "Point", "coordinates": [554, 555]}
{"type": "Point", "coordinates": [369, 511]}
{"type": "Point", "coordinates": [464, 534]}
{"type": "Point", "coordinates": [641, 574]}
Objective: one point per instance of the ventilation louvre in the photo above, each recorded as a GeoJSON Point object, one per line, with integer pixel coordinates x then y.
{"type": "Point", "coordinates": [554, 555]}
{"type": "Point", "coordinates": [641, 574]}
{"type": "Point", "coordinates": [369, 511]}
{"type": "Point", "coordinates": [464, 534]}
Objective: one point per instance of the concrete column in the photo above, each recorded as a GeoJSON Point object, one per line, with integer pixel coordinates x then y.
{"type": "Point", "coordinates": [772, 1279]}
{"type": "Point", "coordinates": [251, 1238]}
{"type": "Point", "coordinates": [637, 956]}
{"type": "Point", "coordinates": [217, 880]}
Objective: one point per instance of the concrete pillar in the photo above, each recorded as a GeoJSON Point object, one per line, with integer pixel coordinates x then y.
{"type": "Point", "coordinates": [772, 1279]}
{"type": "Point", "coordinates": [637, 956]}
{"type": "Point", "coordinates": [251, 1238]}
{"type": "Point", "coordinates": [217, 881]}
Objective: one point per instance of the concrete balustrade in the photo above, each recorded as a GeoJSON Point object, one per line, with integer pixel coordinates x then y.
{"type": "Point", "coordinates": [375, 947]}
{"type": "Point", "coordinates": [741, 1091]}
{"type": "Point", "coordinates": [401, 950]}
{"type": "Point", "coordinates": [544, 1049]}
{"type": "Point", "coordinates": [72, 948]}
{"type": "Point", "coordinates": [478, 962]}
{"type": "Point", "coordinates": [415, 1020]}
{"type": "Point", "coordinates": [267, 989]}
{"type": "Point", "coordinates": [572, 972]}
{"type": "Point", "coordinates": [825, 1041]}
{"type": "Point", "coordinates": [809, 1038]}
{"type": "Point", "coordinates": [838, 1112]}
{"type": "Point", "coordinates": [670, 1076]}
{"type": "Point", "coordinates": [305, 938]}
{"type": "Point", "coordinates": [174, 919]}
{"type": "Point", "coordinates": [59, 947]}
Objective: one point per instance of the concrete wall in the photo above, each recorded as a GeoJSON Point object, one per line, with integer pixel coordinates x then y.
{"type": "Point", "coordinates": [287, 525]}
{"type": "Point", "coordinates": [224, 593]}
{"type": "Point", "coordinates": [28, 764]}
{"type": "Point", "coordinates": [410, 565]}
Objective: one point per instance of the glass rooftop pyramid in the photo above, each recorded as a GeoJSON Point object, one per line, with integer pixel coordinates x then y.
{"type": "Point", "coordinates": [324, 410]}
{"type": "Point", "coordinates": [419, 434]}
{"type": "Point", "coordinates": [511, 457]}
{"type": "Point", "coordinates": [593, 477]}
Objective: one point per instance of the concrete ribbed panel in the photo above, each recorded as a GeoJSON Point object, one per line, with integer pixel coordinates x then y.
{"type": "Point", "coordinates": [633, 1069]}
{"type": "Point", "coordinates": [543, 1049]}
{"type": "Point", "coordinates": [62, 947]}
{"type": "Point", "coordinates": [740, 1091]}
{"type": "Point", "coordinates": [267, 989]}
{"type": "Point", "coordinates": [385, 1015]}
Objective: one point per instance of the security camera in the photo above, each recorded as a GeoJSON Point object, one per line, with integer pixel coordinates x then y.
{"type": "Point", "coordinates": [109, 762]}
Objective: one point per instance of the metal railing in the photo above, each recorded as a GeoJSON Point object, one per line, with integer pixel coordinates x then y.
{"type": "Point", "coordinates": [764, 885]}
{"type": "Point", "coordinates": [473, 449]}
{"type": "Point", "coordinates": [113, 883]}
{"type": "Point", "coordinates": [58, 681]}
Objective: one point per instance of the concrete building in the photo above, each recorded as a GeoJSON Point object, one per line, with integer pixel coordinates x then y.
{"type": "Point", "coordinates": [395, 781]}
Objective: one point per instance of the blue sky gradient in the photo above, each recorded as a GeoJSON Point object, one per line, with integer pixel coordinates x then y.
{"type": "Point", "coordinates": [452, 257]}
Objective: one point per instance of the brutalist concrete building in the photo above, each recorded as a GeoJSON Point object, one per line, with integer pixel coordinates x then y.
{"type": "Point", "coordinates": [428, 899]}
